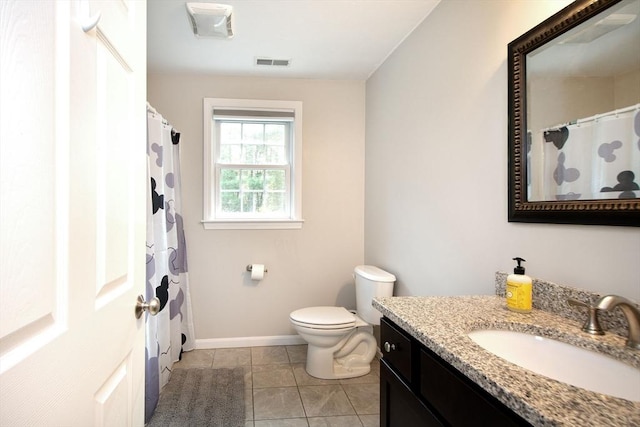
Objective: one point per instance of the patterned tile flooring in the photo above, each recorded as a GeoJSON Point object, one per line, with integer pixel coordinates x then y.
{"type": "Point", "coordinates": [280, 393]}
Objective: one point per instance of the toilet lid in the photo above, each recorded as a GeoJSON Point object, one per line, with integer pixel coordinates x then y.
{"type": "Point", "coordinates": [324, 317]}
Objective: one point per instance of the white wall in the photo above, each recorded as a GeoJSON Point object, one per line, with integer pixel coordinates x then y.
{"type": "Point", "coordinates": [436, 166]}
{"type": "Point", "coordinates": [564, 99]}
{"type": "Point", "coordinates": [627, 89]}
{"type": "Point", "coordinates": [312, 266]}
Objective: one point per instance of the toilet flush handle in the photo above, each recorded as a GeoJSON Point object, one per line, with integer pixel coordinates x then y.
{"type": "Point", "coordinates": [389, 347]}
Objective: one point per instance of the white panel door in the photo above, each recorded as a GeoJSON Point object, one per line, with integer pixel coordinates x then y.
{"type": "Point", "coordinates": [72, 212]}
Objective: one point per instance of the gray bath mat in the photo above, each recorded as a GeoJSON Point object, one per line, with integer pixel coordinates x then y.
{"type": "Point", "coordinates": [202, 397]}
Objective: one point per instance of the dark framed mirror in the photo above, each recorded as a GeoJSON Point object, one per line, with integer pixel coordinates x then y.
{"type": "Point", "coordinates": [574, 117]}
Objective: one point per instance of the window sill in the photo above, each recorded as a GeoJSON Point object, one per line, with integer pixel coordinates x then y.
{"type": "Point", "coordinates": [245, 224]}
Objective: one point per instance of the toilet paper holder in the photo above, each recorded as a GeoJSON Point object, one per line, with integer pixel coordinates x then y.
{"type": "Point", "coordinates": [250, 268]}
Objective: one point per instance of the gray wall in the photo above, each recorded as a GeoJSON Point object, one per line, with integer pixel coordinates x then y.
{"type": "Point", "coordinates": [436, 166]}
{"type": "Point", "coordinates": [312, 266]}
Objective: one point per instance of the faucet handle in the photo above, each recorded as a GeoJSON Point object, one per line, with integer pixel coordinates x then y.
{"type": "Point", "coordinates": [592, 324]}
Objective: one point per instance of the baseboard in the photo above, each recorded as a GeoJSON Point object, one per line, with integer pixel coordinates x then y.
{"type": "Point", "coordinates": [209, 343]}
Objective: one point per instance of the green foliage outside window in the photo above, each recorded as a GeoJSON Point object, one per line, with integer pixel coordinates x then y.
{"type": "Point", "coordinates": [252, 143]}
{"type": "Point", "coordinates": [252, 190]}
{"type": "Point", "coordinates": [245, 190]}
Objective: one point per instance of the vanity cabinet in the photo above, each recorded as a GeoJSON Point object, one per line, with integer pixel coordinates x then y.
{"type": "Point", "coordinates": [418, 388]}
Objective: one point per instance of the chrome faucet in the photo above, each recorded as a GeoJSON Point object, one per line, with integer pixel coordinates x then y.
{"type": "Point", "coordinates": [630, 311]}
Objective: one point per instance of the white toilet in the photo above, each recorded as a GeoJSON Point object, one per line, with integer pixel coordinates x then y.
{"type": "Point", "coordinates": [341, 343]}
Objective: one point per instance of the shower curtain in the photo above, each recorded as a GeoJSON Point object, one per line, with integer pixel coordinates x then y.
{"type": "Point", "coordinates": [170, 332]}
{"type": "Point", "coordinates": [594, 158]}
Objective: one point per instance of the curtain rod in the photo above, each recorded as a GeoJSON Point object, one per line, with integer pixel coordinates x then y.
{"type": "Point", "coordinates": [595, 117]}
{"type": "Point", "coordinates": [153, 111]}
{"type": "Point", "coordinates": [609, 113]}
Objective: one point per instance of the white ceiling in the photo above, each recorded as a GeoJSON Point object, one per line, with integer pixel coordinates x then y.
{"type": "Point", "coordinates": [324, 39]}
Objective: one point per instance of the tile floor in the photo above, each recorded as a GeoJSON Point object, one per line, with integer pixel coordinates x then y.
{"type": "Point", "coordinates": [280, 393]}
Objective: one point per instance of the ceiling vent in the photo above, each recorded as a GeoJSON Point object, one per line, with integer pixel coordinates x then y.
{"type": "Point", "coordinates": [273, 62]}
{"type": "Point", "coordinates": [599, 29]}
{"type": "Point", "coordinates": [211, 20]}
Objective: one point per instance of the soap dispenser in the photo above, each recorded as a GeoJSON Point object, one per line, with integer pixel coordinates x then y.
{"type": "Point", "coordinates": [519, 289]}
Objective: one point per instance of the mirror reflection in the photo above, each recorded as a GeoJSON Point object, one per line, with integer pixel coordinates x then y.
{"type": "Point", "coordinates": [583, 110]}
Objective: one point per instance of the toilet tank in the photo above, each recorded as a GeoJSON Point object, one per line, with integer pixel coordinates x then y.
{"type": "Point", "coordinates": [371, 282]}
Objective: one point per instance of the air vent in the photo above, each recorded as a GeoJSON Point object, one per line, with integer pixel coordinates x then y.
{"type": "Point", "coordinates": [599, 29]}
{"type": "Point", "coordinates": [273, 62]}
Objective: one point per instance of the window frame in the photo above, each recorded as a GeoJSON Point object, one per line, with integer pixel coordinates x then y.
{"type": "Point", "coordinates": [212, 218]}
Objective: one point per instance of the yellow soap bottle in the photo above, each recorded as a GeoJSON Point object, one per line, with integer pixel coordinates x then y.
{"type": "Point", "coordinates": [519, 289]}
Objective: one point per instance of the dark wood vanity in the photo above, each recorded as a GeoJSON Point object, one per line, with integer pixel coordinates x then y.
{"type": "Point", "coordinates": [418, 388]}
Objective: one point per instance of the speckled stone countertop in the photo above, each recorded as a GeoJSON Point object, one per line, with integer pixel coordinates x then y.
{"type": "Point", "coordinates": [442, 325]}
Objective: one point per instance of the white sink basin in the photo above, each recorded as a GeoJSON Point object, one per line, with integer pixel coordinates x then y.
{"type": "Point", "coordinates": [563, 362]}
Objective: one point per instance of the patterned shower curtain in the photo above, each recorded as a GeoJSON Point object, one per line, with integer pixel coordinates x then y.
{"type": "Point", "coordinates": [594, 158]}
{"type": "Point", "coordinates": [170, 332]}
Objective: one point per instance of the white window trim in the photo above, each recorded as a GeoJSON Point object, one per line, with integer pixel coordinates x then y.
{"type": "Point", "coordinates": [209, 221]}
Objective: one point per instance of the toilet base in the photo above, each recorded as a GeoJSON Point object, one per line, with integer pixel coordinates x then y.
{"type": "Point", "coordinates": [351, 359]}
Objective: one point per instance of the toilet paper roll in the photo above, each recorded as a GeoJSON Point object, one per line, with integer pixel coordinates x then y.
{"type": "Point", "coordinates": [257, 271]}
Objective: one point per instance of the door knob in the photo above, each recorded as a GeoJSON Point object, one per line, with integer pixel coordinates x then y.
{"type": "Point", "coordinates": [389, 347]}
{"type": "Point", "coordinates": [153, 306]}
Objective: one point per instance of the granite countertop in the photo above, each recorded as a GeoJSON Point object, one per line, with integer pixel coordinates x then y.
{"type": "Point", "coordinates": [442, 325]}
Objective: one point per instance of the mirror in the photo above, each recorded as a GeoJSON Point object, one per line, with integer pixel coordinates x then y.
{"type": "Point", "coordinates": [574, 117]}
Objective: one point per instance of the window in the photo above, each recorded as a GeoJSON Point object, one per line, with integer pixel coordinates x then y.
{"type": "Point", "coordinates": [252, 164]}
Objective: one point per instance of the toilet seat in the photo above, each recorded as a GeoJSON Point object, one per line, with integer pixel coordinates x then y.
{"type": "Point", "coordinates": [323, 318]}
